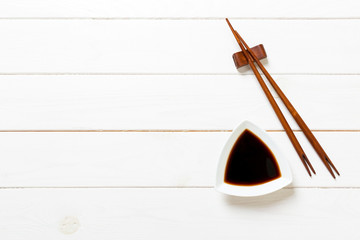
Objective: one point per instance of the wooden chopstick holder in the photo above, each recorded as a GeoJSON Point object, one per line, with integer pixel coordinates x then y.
{"type": "Point", "coordinates": [240, 59]}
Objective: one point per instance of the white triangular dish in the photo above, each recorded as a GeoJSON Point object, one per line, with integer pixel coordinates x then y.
{"type": "Point", "coordinates": [255, 190]}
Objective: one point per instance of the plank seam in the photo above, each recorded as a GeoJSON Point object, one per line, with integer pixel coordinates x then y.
{"type": "Point", "coordinates": [163, 130]}
{"type": "Point", "coordinates": [149, 187]}
{"type": "Point", "coordinates": [182, 18]}
{"type": "Point", "coordinates": [164, 74]}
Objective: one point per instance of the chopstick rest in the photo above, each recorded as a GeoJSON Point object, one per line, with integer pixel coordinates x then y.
{"type": "Point", "coordinates": [240, 59]}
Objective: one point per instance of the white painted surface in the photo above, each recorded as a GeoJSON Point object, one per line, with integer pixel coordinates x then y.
{"type": "Point", "coordinates": [172, 102]}
{"type": "Point", "coordinates": [179, 9]}
{"type": "Point", "coordinates": [175, 46]}
{"type": "Point", "coordinates": [166, 66]}
{"type": "Point", "coordinates": [182, 159]}
{"type": "Point", "coordinates": [180, 214]}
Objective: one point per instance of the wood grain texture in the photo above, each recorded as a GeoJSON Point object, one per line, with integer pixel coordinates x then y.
{"type": "Point", "coordinates": [178, 9]}
{"type": "Point", "coordinates": [153, 159]}
{"type": "Point", "coordinates": [166, 65]}
{"type": "Point", "coordinates": [174, 46]}
{"type": "Point", "coordinates": [179, 214]}
{"type": "Point", "coordinates": [172, 102]}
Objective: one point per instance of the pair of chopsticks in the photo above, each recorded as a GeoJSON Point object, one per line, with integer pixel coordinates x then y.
{"type": "Point", "coordinates": [251, 58]}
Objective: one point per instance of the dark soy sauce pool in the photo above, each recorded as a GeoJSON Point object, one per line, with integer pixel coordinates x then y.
{"type": "Point", "coordinates": [250, 162]}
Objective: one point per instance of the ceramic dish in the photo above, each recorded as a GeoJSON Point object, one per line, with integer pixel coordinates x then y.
{"type": "Point", "coordinates": [254, 190]}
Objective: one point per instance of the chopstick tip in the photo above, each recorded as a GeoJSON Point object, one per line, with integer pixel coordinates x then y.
{"type": "Point", "coordinates": [333, 175]}
{"type": "Point", "coordinates": [331, 165]}
{"type": "Point", "coordinates": [308, 164]}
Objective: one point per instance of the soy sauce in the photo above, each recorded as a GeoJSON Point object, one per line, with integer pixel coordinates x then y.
{"type": "Point", "coordinates": [250, 162]}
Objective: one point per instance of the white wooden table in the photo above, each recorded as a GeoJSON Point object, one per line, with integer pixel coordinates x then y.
{"type": "Point", "coordinates": [113, 114]}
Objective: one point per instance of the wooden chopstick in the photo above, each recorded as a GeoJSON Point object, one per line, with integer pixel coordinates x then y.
{"type": "Point", "coordinates": [276, 108]}
{"type": "Point", "coordinates": [309, 135]}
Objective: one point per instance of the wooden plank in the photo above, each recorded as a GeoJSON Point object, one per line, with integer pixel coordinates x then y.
{"type": "Point", "coordinates": [178, 214]}
{"type": "Point", "coordinates": [174, 46]}
{"type": "Point", "coordinates": [172, 102]}
{"type": "Point", "coordinates": [182, 159]}
{"type": "Point", "coordinates": [178, 9]}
